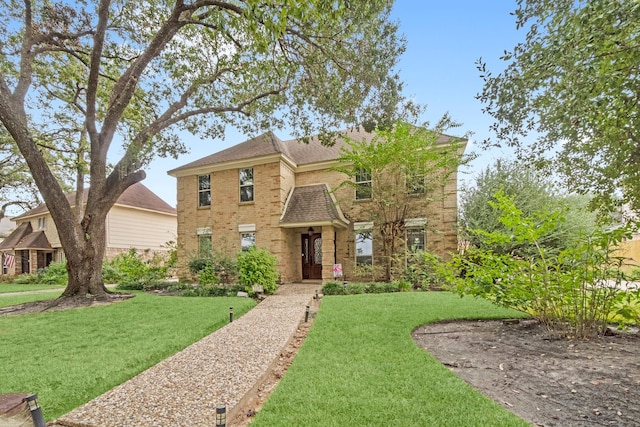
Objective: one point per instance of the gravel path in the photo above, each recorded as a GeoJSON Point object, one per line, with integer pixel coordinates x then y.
{"type": "Point", "coordinates": [185, 389]}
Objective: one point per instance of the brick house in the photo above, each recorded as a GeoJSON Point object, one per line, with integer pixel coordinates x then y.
{"type": "Point", "coordinates": [139, 219]}
{"type": "Point", "coordinates": [281, 196]}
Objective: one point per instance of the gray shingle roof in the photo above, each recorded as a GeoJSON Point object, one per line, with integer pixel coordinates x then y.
{"type": "Point", "coordinates": [299, 152]}
{"type": "Point", "coordinates": [267, 144]}
{"type": "Point", "coordinates": [23, 237]}
{"type": "Point", "coordinates": [311, 204]}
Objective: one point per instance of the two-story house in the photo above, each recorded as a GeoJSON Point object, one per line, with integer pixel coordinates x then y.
{"type": "Point", "coordinates": [283, 196]}
{"type": "Point", "coordinates": [139, 219]}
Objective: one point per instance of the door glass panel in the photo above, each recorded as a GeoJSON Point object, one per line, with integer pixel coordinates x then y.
{"type": "Point", "coordinates": [305, 251]}
{"type": "Point", "coordinates": [317, 251]}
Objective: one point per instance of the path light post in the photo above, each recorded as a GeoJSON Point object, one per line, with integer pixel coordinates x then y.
{"type": "Point", "coordinates": [230, 314]}
{"type": "Point", "coordinates": [306, 315]}
{"type": "Point", "coordinates": [221, 416]}
{"type": "Point", "coordinates": [36, 411]}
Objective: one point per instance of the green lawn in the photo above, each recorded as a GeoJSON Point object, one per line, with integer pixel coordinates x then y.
{"type": "Point", "coordinates": [13, 287]}
{"type": "Point", "coordinates": [360, 367]}
{"type": "Point", "coordinates": [70, 357]}
{"type": "Point", "coordinates": [6, 301]}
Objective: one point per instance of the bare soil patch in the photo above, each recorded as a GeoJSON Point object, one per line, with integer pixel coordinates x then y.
{"type": "Point", "coordinates": [60, 304]}
{"type": "Point", "coordinates": [544, 380]}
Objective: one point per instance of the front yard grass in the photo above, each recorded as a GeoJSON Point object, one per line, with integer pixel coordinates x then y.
{"type": "Point", "coordinates": [14, 287]}
{"type": "Point", "coordinates": [360, 367]}
{"type": "Point", "coordinates": [70, 357]}
{"type": "Point", "coordinates": [6, 301]}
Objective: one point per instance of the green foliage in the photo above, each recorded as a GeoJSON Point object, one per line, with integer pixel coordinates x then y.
{"type": "Point", "coordinates": [54, 274]}
{"type": "Point", "coordinates": [333, 288]}
{"type": "Point", "coordinates": [211, 290]}
{"type": "Point", "coordinates": [147, 71]}
{"type": "Point", "coordinates": [258, 267]}
{"type": "Point", "coordinates": [355, 288]}
{"type": "Point", "coordinates": [572, 86]}
{"type": "Point", "coordinates": [532, 193]}
{"type": "Point", "coordinates": [217, 268]}
{"type": "Point", "coordinates": [409, 165]}
{"type": "Point", "coordinates": [131, 272]}
{"type": "Point", "coordinates": [574, 291]}
{"type": "Point", "coordinates": [423, 270]}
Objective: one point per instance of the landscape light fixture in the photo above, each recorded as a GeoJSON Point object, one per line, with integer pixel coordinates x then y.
{"type": "Point", "coordinates": [36, 411]}
{"type": "Point", "coordinates": [306, 315]}
{"type": "Point", "coordinates": [230, 314]}
{"type": "Point", "coordinates": [221, 416]}
{"type": "Point", "coordinates": [310, 231]}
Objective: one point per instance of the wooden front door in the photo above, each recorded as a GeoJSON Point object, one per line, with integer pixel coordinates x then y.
{"type": "Point", "coordinates": [312, 256]}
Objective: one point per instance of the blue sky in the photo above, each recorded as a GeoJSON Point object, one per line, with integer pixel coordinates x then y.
{"type": "Point", "coordinates": [444, 40]}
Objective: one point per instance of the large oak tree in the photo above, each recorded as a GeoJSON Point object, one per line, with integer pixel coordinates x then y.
{"type": "Point", "coordinates": [132, 75]}
{"type": "Point", "coordinates": [572, 88]}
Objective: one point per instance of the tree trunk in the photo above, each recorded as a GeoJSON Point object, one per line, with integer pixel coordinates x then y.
{"type": "Point", "coordinates": [84, 263]}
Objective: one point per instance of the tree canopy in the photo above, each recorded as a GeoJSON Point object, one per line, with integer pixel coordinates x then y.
{"type": "Point", "coordinates": [407, 167]}
{"type": "Point", "coordinates": [572, 87]}
{"type": "Point", "coordinates": [534, 195]}
{"type": "Point", "coordinates": [123, 78]}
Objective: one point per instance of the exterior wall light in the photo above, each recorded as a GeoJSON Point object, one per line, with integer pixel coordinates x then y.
{"type": "Point", "coordinates": [310, 231]}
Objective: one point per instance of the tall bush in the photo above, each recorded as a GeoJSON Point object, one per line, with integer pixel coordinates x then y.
{"type": "Point", "coordinates": [576, 291]}
{"type": "Point", "coordinates": [130, 271]}
{"type": "Point", "coordinates": [258, 267]}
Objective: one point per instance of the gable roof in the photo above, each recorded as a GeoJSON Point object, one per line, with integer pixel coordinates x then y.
{"type": "Point", "coordinates": [136, 196]}
{"type": "Point", "coordinates": [311, 205]}
{"type": "Point", "coordinates": [268, 144]}
{"type": "Point", "coordinates": [18, 234]}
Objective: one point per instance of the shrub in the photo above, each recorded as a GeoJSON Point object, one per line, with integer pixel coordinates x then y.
{"type": "Point", "coordinates": [577, 291]}
{"type": "Point", "coordinates": [423, 271]}
{"type": "Point", "coordinates": [402, 285]}
{"type": "Point", "coordinates": [132, 273]}
{"type": "Point", "coordinates": [258, 267]}
{"type": "Point", "coordinates": [333, 288]}
{"type": "Point", "coordinates": [218, 268]}
{"type": "Point", "coordinates": [54, 274]}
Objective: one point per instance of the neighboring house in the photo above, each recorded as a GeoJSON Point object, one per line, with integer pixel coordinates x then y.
{"type": "Point", "coordinates": [6, 227]}
{"type": "Point", "coordinates": [281, 196]}
{"type": "Point", "coordinates": [139, 219]}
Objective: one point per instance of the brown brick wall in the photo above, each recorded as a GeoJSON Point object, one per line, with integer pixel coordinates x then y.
{"type": "Point", "coordinates": [272, 184]}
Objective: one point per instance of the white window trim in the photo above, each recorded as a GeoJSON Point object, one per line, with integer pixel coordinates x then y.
{"type": "Point", "coordinates": [203, 230]}
{"type": "Point", "coordinates": [246, 228]}
{"type": "Point", "coordinates": [363, 226]}
{"type": "Point", "coordinates": [415, 222]}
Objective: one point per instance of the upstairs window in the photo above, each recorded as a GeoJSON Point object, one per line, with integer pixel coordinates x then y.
{"type": "Point", "coordinates": [204, 190]}
{"type": "Point", "coordinates": [363, 184]}
{"type": "Point", "coordinates": [246, 185]}
{"type": "Point", "coordinates": [42, 223]}
{"type": "Point", "coordinates": [416, 184]}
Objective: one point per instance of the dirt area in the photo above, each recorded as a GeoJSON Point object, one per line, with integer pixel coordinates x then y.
{"type": "Point", "coordinates": [546, 381]}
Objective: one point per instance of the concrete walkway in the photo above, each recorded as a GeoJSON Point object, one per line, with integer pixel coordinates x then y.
{"type": "Point", "coordinates": [220, 369]}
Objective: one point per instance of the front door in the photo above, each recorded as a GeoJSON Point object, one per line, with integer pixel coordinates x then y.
{"type": "Point", "coordinates": [312, 256]}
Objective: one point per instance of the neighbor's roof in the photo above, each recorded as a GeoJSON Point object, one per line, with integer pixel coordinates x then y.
{"type": "Point", "coordinates": [136, 196]}
{"type": "Point", "coordinates": [311, 205]}
{"type": "Point", "coordinates": [24, 238]}
{"type": "Point", "coordinates": [268, 144]}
